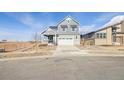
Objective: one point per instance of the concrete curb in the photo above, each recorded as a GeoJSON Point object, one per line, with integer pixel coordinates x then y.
{"type": "Point", "coordinates": [21, 58]}
{"type": "Point", "coordinates": [51, 56]}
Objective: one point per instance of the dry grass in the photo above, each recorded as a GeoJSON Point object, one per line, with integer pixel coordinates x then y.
{"type": "Point", "coordinates": [103, 49]}
{"type": "Point", "coordinates": [42, 49]}
{"type": "Point", "coordinates": [13, 46]}
{"type": "Point", "coordinates": [114, 47]}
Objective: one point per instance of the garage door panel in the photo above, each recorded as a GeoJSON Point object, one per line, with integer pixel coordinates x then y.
{"type": "Point", "coordinates": [68, 41]}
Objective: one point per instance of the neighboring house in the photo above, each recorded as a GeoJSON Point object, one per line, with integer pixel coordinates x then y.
{"type": "Point", "coordinates": [64, 33]}
{"type": "Point", "coordinates": [110, 35]}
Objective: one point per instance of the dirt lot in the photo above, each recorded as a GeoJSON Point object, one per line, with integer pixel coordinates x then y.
{"type": "Point", "coordinates": [13, 46]}
{"type": "Point", "coordinates": [116, 48]}
{"type": "Point", "coordinates": [25, 49]}
{"type": "Point", "coordinates": [103, 49]}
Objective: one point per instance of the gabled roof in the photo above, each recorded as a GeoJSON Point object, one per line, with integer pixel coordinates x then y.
{"type": "Point", "coordinates": [54, 31]}
{"type": "Point", "coordinates": [51, 31]}
{"type": "Point", "coordinates": [104, 28]}
{"type": "Point", "coordinates": [53, 27]}
{"type": "Point", "coordinates": [109, 26]}
{"type": "Point", "coordinates": [88, 33]}
{"type": "Point", "coordinates": [66, 18]}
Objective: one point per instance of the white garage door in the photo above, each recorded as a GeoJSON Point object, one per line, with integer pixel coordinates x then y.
{"type": "Point", "coordinates": [65, 41]}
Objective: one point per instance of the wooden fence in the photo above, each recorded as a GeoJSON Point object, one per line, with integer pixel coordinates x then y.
{"type": "Point", "coordinates": [87, 42]}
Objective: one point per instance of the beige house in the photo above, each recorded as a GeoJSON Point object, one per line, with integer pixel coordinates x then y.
{"type": "Point", "coordinates": [110, 35]}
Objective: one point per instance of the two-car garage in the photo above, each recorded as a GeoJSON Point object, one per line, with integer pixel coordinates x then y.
{"type": "Point", "coordinates": [68, 40]}
{"type": "Point", "coordinates": [65, 41]}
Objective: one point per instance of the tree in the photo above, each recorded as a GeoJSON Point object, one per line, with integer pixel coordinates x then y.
{"type": "Point", "coordinates": [36, 39]}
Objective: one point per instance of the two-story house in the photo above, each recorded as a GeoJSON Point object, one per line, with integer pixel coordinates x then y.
{"type": "Point", "coordinates": [66, 32]}
{"type": "Point", "coordinates": [109, 35]}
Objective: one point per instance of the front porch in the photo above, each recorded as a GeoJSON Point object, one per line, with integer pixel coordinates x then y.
{"type": "Point", "coordinates": [118, 39]}
{"type": "Point", "coordinates": [51, 39]}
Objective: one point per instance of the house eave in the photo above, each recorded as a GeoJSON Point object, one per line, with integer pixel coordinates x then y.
{"type": "Point", "coordinates": [65, 19]}
{"type": "Point", "coordinates": [109, 26]}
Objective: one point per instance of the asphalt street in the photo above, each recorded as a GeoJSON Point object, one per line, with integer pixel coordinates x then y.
{"type": "Point", "coordinates": [64, 68]}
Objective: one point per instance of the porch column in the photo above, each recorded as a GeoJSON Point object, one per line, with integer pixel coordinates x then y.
{"type": "Point", "coordinates": [55, 39]}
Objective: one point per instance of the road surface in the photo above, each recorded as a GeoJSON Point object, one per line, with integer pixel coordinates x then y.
{"type": "Point", "coordinates": [63, 68]}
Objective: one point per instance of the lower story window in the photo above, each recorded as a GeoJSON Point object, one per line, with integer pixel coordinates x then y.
{"type": "Point", "coordinates": [104, 35]}
{"type": "Point", "coordinates": [101, 35]}
{"type": "Point", "coordinates": [97, 35]}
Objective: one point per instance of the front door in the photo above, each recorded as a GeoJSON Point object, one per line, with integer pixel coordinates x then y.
{"type": "Point", "coordinates": [50, 39]}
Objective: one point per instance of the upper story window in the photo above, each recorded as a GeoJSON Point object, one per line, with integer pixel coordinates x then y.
{"type": "Point", "coordinates": [64, 27]}
{"type": "Point", "coordinates": [101, 35]}
{"type": "Point", "coordinates": [74, 27]}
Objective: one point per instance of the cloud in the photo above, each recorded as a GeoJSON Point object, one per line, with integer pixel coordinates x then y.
{"type": "Point", "coordinates": [107, 16]}
{"type": "Point", "coordinates": [26, 19]}
{"type": "Point", "coordinates": [87, 29]}
{"type": "Point", "coordinates": [3, 32]}
{"type": "Point", "coordinates": [30, 21]}
{"type": "Point", "coordinates": [115, 20]}
{"type": "Point", "coordinates": [35, 23]}
{"type": "Point", "coordinates": [15, 34]}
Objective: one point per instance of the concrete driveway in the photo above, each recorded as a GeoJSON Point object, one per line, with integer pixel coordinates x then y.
{"type": "Point", "coordinates": [69, 51]}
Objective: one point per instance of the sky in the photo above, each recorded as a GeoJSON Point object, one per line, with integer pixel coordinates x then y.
{"type": "Point", "coordinates": [21, 26]}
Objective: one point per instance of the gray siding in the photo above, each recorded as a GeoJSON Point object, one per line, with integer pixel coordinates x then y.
{"type": "Point", "coordinates": [69, 24]}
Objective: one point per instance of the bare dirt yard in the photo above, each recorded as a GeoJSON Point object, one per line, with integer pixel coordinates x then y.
{"type": "Point", "coordinates": [14, 46]}
{"type": "Point", "coordinates": [103, 49]}
{"type": "Point", "coordinates": [25, 49]}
